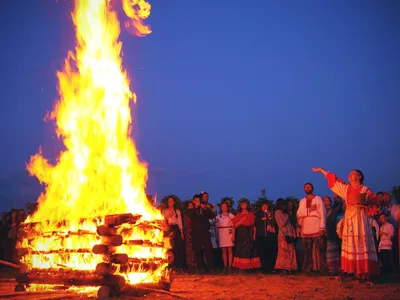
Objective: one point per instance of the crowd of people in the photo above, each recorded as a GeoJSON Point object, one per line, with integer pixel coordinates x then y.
{"type": "Point", "coordinates": [353, 234]}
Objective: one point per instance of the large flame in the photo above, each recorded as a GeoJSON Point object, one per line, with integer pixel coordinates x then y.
{"type": "Point", "coordinates": [99, 173]}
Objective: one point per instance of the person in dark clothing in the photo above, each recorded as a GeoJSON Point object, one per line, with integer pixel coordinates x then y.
{"type": "Point", "coordinates": [332, 248]}
{"type": "Point", "coordinates": [200, 216]}
{"type": "Point", "coordinates": [3, 235]}
{"type": "Point", "coordinates": [266, 237]}
{"type": "Point", "coordinates": [217, 253]}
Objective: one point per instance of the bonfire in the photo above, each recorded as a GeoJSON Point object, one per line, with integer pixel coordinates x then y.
{"type": "Point", "coordinates": [94, 225]}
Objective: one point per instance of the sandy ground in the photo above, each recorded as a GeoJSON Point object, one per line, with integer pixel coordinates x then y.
{"type": "Point", "coordinates": [242, 286]}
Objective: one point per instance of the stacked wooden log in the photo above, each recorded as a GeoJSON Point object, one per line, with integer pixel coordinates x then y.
{"type": "Point", "coordinates": [114, 264]}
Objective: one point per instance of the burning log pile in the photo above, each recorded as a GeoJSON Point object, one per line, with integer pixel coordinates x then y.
{"type": "Point", "coordinates": [97, 174]}
{"type": "Point", "coordinates": [123, 251]}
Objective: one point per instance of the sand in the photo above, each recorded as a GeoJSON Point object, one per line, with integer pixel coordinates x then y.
{"type": "Point", "coordinates": [246, 286]}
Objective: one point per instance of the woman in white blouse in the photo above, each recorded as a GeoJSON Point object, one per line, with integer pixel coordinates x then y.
{"type": "Point", "coordinates": [224, 228]}
{"type": "Point", "coordinates": [173, 218]}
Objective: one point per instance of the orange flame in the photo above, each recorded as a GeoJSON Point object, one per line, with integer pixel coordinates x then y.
{"type": "Point", "coordinates": [99, 173]}
{"type": "Point", "coordinates": [137, 10]}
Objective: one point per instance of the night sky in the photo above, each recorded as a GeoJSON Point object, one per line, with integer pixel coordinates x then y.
{"type": "Point", "coordinates": [233, 95]}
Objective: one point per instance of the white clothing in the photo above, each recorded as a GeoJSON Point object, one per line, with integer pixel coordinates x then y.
{"type": "Point", "coordinates": [386, 240]}
{"type": "Point", "coordinates": [173, 217]}
{"type": "Point", "coordinates": [213, 233]}
{"type": "Point", "coordinates": [311, 221]}
{"type": "Point", "coordinates": [224, 227]}
{"type": "Point", "coordinates": [374, 224]}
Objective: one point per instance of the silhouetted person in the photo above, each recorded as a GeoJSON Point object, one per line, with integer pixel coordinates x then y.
{"type": "Point", "coordinates": [200, 216]}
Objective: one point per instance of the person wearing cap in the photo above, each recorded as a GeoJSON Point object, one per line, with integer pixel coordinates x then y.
{"type": "Point", "coordinates": [312, 217]}
{"type": "Point", "coordinates": [359, 255]}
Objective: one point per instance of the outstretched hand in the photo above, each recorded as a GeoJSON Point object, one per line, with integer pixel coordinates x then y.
{"type": "Point", "coordinates": [316, 170]}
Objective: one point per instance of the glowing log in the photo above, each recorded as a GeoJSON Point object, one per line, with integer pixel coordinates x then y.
{"type": "Point", "coordinates": [117, 220]}
{"type": "Point", "coordinates": [141, 290]}
{"type": "Point", "coordinates": [40, 226]}
{"type": "Point", "coordinates": [119, 258]}
{"type": "Point", "coordinates": [139, 260]}
{"type": "Point", "coordinates": [27, 232]}
{"type": "Point", "coordinates": [103, 269]}
{"type": "Point", "coordinates": [112, 240]}
{"type": "Point", "coordinates": [25, 251]}
{"type": "Point", "coordinates": [103, 230]}
{"type": "Point", "coordinates": [144, 243]}
{"type": "Point", "coordinates": [103, 249]}
{"type": "Point", "coordinates": [70, 278]}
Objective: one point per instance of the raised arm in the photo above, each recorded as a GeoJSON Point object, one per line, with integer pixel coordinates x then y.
{"type": "Point", "coordinates": [336, 185]}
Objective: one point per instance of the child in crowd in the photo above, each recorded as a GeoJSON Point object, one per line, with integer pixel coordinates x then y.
{"type": "Point", "coordinates": [386, 233]}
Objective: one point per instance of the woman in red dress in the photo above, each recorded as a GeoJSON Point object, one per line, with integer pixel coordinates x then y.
{"type": "Point", "coordinates": [246, 256]}
{"type": "Point", "coordinates": [358, 247]}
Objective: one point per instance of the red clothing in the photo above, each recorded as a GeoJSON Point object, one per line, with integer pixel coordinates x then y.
{"type": "Point", "coordinates": [187, 223]}
{"type": "Point", "coordinates": [246, 256]}
{"type": "Point", "coordinates": [358, 245]}
{"type": "Point", "coordinates": [249, 219]}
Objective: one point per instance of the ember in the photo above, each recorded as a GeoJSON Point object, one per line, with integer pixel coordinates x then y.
{"type": "Point", "coordinates": [94, 225]}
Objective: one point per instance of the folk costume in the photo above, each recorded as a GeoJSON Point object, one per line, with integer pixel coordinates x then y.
{"type": "Point", "coordinates": [286, 259]}
{"type": "Point", "coordinates": [313, 221]}
{"type": "Point", "coordinates": [358, 247]}
{"type": "Point", "coordinates": [246, 254]}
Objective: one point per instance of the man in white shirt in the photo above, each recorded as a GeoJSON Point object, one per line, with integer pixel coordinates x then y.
{"type": "Point", "coordinates": [311, 216]}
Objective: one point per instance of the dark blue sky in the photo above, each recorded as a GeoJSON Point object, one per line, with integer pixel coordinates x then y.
{"type": "Point", "coordinates": [233, 95]}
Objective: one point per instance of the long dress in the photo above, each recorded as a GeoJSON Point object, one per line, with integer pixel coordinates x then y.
{"type": "Point", "coordinates": [358, 246]}
{"type": "Point", "coordinates": [174, 220]}
{"type": "Point", "coordinates": [332, 250]}
{"type": "Point", "coordinates": [246, 256]}
{"type": "Point", "coordinates": [286, 259]}
{"type": "Point", "coordinates": [189, 252]}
